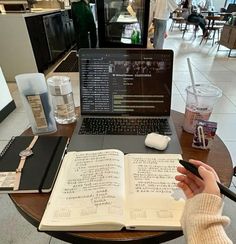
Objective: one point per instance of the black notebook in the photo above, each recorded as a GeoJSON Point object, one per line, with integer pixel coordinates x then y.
{"type": "Point", "coordinates": [40, 168]}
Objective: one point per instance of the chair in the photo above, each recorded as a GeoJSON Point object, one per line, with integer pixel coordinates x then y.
{"type": "Point", "coordinates": [226, 13]}
{"type": "Point", "coordinates": [187, 25]}
{"type": "Point", "coordinates": [212, 27]}
{"type": "Point", "coordinates": [228, 39]}
{"type": "Point", "coordinates": [177, 20]}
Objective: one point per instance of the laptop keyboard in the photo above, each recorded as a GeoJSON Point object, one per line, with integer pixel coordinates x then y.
{"type": "Point", "coordinates": [124, 126]}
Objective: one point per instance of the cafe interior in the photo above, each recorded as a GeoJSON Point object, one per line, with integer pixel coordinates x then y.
{"type": "Point", "coordinates": [28, 45]}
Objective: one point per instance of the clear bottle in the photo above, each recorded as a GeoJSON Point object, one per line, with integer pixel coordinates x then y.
{"type": "Point", "coordinates": [62, 99]}
{"type": "Point", "coordinates": [37, 103]}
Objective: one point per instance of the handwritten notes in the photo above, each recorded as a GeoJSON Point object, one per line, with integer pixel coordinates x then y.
{"type": "Point", "coordinates": [94, 178]}
{"type": "Point", "coordinates": [151, 174]}
{"type": "Point", "coordinates": [105, 190]}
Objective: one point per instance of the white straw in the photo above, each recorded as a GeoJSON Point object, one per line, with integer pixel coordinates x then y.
{"type": "Point", "coordinates": [192, 79]}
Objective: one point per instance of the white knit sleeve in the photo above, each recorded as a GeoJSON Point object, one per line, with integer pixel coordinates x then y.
{"type": "Point", "coordinates": [202, 220]}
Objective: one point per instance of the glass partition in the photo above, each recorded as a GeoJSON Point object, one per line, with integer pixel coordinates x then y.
{"type": "Point", "coordinates": [122, 23]}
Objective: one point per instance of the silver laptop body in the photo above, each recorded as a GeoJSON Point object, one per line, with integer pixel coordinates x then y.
{"type": "Point", "coordinates": [128, 84]}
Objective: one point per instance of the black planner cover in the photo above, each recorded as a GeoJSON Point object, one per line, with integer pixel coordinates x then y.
{"type": "Point", "coordinates": [40, 169]}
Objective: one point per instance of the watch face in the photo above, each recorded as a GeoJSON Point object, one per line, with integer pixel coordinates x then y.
{"type": "Point", "coordinates": [26, 153]}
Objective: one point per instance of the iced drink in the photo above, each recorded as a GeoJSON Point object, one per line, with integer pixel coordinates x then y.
{"type": "Point", "coordinates": [199, 104]}
{"type": "Point", "coordinates": [192, 115]}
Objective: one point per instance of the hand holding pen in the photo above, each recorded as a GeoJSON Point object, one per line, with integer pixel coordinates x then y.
{"type": "Point", "coordinates": [193, 185]}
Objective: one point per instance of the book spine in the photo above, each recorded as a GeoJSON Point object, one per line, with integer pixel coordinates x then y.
{"type": "Point", "coordinates": [47, 169]}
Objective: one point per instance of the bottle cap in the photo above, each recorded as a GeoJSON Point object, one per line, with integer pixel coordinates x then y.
{"type": "Point", "coordinates": [59, 85]}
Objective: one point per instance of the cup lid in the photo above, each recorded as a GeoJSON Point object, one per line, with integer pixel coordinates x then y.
{"type": "Point", "coordinates": [59, 85]}
{"type": "Point", "coordinates": [205, 90]}
{"type": "Point", "coordinates": [58, 80]}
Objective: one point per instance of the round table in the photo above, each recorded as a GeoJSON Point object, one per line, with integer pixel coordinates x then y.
{"type": "Point", "coordinates": [32, 206]}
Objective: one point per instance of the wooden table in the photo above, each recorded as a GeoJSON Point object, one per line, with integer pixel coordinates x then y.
{"type": "Point", "coordinates": [32, 206]}
{"type": "Point", "coordinates": [209, 12]}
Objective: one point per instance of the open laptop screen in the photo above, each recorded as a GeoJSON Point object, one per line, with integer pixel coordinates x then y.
{"type": "Point", "coordinates": [125, 82]}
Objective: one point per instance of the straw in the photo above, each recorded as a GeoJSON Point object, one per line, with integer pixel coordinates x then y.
{"type": "Point", "coordinates": [192, 79]}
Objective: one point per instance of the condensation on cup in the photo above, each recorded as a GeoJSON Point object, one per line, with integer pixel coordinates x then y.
{"type": "Point", "coordinates": [199, 104]}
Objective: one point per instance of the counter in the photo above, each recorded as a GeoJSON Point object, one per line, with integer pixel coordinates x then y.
{"type": "Point", "coordinates": [33, 12]}
{"type": "Point", "coordinates": [24, 45]}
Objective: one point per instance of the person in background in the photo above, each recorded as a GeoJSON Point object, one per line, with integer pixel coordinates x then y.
{"type": "Point", "coordinates": [198, 19]}
{"type": "Point", "coordinates": [186, 8]}
{"type": "Point", "coordinates": [202, 219]}
{"type": "Point", "coordinates": [84, 25]}
{"type": "Point", "coordinates": [203, 4]}
{"type": "Point", "coordinates": [194, 16]}
{"type": "Point", "coordinates": [161, 14]}
{"type": "Point", "coordinates": [185, 4]}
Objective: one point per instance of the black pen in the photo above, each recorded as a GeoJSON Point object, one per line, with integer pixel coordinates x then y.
{"type": "Point", "coordinates": [223, 189]}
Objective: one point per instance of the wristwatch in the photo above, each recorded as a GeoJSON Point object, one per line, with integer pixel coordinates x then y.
{"type": "Point", "coordinates": [23, 156]}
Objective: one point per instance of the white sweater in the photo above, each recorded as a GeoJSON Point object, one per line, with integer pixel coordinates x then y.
{"type": "Point", "coordinates": [202, 220]}
{"type": "Point", "coordinates": [163, 8]}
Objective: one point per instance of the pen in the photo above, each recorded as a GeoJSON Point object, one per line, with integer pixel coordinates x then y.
{"type": "Point", "coordinates": [223, 189]}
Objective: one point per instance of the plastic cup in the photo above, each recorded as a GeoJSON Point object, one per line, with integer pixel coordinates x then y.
{"type": "Point", "coordinates": [199, 105]}
{"type": "Point", "coordinates": [37, 102]}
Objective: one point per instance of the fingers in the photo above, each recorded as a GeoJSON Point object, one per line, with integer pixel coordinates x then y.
{"type": "Point", "coordinates": [209, 181]}
{"type": "Point", "coordinates": [208, 167]}
{"type": "Point", "coordinates": [194, 186]}
{"type": "Point", "coordinates": [187, 191]}
{"type": "Point", "coordinates": [190, 175]}
{"type": "Point", "coordinates": [200, 163]}
{"type": "Point", "coordinates": [206, 174]}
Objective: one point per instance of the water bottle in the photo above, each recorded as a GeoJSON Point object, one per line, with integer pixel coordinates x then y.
{"type": "Point", "coordinates": [135, 37]}
{"type": "Point", "coordinates": [62, 99]}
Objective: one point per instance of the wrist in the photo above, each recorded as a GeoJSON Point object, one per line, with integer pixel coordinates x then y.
{"type": "Point", "coordinates": [206, 203]}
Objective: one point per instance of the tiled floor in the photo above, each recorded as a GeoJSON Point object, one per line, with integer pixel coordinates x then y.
{"type": "Point", "coordinates": [209, 66]}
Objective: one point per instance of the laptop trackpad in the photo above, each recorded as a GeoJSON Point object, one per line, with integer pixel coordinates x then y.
{"type": "Point", "coordinates": [127, 144]}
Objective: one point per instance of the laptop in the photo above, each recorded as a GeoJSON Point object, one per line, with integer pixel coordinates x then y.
{"type": "Point", "coordinates": [124, 95]}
